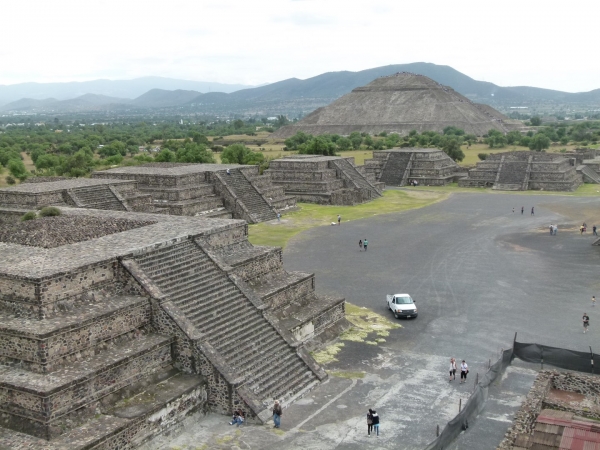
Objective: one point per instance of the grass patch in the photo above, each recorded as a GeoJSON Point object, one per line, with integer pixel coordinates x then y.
{"type": "Point", "coordinates": [327, 355]}
{"type": "Point", "coordinates": [349, 375]}
{"type": "Point", "coordinates": [310, 215]}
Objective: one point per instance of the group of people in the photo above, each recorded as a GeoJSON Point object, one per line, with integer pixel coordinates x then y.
{"type": "Point", "coordinates": [553, 229]}
{"type": "Point", "coordinates": [464, 370]}
{"type": "Point", "coordinates": [414, 183]}
{"type": "Point", "coordinates": [363, 244]}
{"type": "Point", "coordinates": [372, 422]}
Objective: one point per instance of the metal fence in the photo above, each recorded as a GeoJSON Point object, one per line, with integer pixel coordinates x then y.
{"type": "Point", "coordinates": [533, 353]}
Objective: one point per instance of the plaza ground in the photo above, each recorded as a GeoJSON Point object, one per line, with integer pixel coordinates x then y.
{"type": "Point", "coordinates": [479, 273]}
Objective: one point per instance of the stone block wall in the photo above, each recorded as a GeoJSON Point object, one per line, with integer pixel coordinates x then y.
{"type": "Point", "coordinates": [32, 200]}
{"type": "Point", "coordinates": [290, 293]}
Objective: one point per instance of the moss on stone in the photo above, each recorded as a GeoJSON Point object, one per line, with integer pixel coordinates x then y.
{"type": "Point", "coordinates": [344, 374]}
{"type": "Point", "coordinates": [327, 355]}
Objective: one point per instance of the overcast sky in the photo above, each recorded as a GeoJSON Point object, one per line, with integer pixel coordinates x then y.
{"type": "Point", "coordinates": [546, 44]}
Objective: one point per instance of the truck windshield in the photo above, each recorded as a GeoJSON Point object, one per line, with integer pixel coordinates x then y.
{"type": "Point", "coordinates": [403, 300]}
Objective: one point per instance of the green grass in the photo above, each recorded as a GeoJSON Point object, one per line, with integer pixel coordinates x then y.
{"type": "Point", "coordinates": [310, 215]}
{"type": "Point", "coordinates": [585, 190]}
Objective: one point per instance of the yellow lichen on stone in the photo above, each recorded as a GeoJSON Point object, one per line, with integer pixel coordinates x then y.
{"type": "Point", "coordinates": [365, 322]}
{"type": "Point", "coordinates": [327, 355]}
{"type": "Point", "coordinates": [351, 375]}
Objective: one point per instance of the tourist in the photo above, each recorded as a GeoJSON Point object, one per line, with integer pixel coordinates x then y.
{"type": "Point", "coordinates": [228, 172]}
{"type": "Point", "coordinates": [593, 300]}
{"type": "Point", "coordinates": [555, 229]}
{"type": "Point", "coordinates": [581, 228]}
{"type": "Point", "coordinates": [586, 322]}
{"type": "Point", "coordinates": [339, 219]}
{"type": "Point", "coordinates": [369, 422]}
{"type": "Point", "coordinates": [365, 243]}
{"type": "Point", "coordinates": [278, 217]}
{"type": "Point", "coordinates": [238, 418]}
{"type": "Point", "coordinates": [464, 370]}
{"type": "Point", "coordinates": [594, 230]}
{"type": "Point", "coordinates": [551, 229]}
{"type": "Point", "coordinates": [513, 209]}
{"type": "Point", "coordinates": [584, 227]}
{"type": "Point", "coordinates": [360, 244]}
{"type": "Point", "coordinates": [277, 413]}
{"type": "Point", "coordinates": [532, 213]}
{"type": "Point", "coordinates": [375, 417]}
{"type": "Point", "coordinates": [522, 209]}
{"type": "Point", "coordinates": [452, 369]}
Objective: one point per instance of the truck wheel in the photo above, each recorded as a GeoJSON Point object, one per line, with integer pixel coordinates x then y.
{"type": "Point", "coordinates": [396, 315]}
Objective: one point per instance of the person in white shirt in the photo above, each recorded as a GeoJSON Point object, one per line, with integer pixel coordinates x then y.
{"type": "Point", "coordinates": [464, 370]}
{"type": "Point", "coordinates": [452, 369]}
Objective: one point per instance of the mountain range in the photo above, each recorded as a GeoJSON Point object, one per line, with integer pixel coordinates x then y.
{"type": "Point", "coordinates": [292, 96]}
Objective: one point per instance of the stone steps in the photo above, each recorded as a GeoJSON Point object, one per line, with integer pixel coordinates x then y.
{"type": "Point", "coordinates": [46, 345]}
{"type": "Point", "coordinates": [230, 322]}
{"type": "Point", "coordinates": [52, 399]}
{"type": "Point", "coordinates": [98, 197]}
{"type": "Point", "coordinates": [258, 207]}
{"type": "Point", "coordinates": [356, 176]}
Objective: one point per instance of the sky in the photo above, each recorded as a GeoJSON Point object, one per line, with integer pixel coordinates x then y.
{"type": "Point", "coordinates": [547, 44]}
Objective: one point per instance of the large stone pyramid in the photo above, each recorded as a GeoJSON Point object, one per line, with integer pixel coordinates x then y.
{"type": "Point", "coordinates": [399, 103]}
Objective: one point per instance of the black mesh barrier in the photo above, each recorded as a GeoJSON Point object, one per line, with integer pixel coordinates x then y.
{"type": "Point", "coordinates": [473, 406]}
{"type": "Point", "coordinates": [533, 353]}
{"type": "Point", "coordinates": [558, 357]}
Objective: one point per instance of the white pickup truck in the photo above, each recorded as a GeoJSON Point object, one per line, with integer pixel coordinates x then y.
{"type": "Point", "coordinates": [402, 305]}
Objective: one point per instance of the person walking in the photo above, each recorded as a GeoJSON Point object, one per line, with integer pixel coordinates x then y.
{"type": "Point", "coordinates": [452, 369]}
{"type": "Point", "coordinates": [586, 322]}
{"type": "Point", "coordinates": [555, 229]}
{"type": "Point", "coordinates": [369, 422]}
{"type": "Point", "coordinates": [581, 229]}
{"type": "Point", "coordinates": [339, 219]}
{"type": "Point", "coordinates": [277, 413]}
{"type": "Point", "coordinates": [278, 217]}
{"type": "Point", "coordinates": [513, 209]}
{"type": "Point", "coordinates": [594, 230]}
{"type": "Point", "coordinates": [551, 229]}
{"type": "Point", "coordinates": [360, 244]}
{"type": "Point", "coordinates": [375, 418]}
{"type": "Point", "coordinates": [464, 370]}
{"type": "Point", "coordinates": [532, 211]}
{"type": "Point", "coordinates": [522, 209]}
{"type": "Point", "coordinates": [593, 300]}
{"type": "Point", "coordinates": [365, 243]}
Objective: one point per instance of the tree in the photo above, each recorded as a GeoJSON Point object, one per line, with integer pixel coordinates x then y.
{"type": "Point", "coordinates": [318, 146]}
{"type": "Point", "coordinates": [482, 156]}
{"type": "Point", "coordinates": [344, 143]}
{"type": "Point", "coordinates": [240, 154]}
{"type": "Point", "coordinates": [17, 169]}
{"type": "Point", "coordinates": [535, 121]}
{"type": "Point", "coordinates": [452, 149]}
{"type": "Point", "coordinates": [165, 155]}
{"type": "Point", "coordinates": [356, 139]}
{"type": "Point", "coordinates": [237, 124]}
{"type": "Point", "coordinates": [191, 152]}
{"type": "Point", "coordinates": [539, 142]}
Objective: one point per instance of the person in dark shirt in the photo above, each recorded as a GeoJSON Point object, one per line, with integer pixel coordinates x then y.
{"type": "Point", "coordinates": [586, 322]}
{"type": "Point", "coordinates": [375, 417]}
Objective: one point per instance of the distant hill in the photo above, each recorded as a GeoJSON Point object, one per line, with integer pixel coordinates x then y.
{"type": "Point", "coordinates": [160, 98]}
{"type": "Point", "coordinates": [87, 102]}
{"type": "Point", "coordinates": [292, 96]}
{"type": "Point", "coordinates": [128, 89]}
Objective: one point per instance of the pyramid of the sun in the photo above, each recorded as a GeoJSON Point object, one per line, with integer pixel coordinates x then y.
{"type": "Point", "coordinates": [398, 104]}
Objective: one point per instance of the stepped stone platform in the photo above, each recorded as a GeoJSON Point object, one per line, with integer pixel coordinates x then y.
{"type": "Point", "coordinates": [207, 190]}
{"type": "Point", "coordinates": [521, 171]}
{"type": "Point", "coordinates": [399, 166]}
{"type": "Point", "coordinates": [331, 180]}
{"type": "Point", "coordinates": [114, 336]}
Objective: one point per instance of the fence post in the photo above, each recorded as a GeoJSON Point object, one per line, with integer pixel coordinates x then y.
{"type": "Point", "coordinates": [459, 404]}
{"type": "Point", "coordinates": [489, 363]}
{"type": "Point", "coordinates": [592, 355]}
{"type": "Point", "coordinates": [437, 431]}
{"type": "Point", "coordinates": [542, 356]}
{"type": "Point", "coordinates": [476, 381]}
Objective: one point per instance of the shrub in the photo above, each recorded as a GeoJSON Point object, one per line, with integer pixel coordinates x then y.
{"type": "Point", "coordinates": [483, 156]}
{"type": "Point", "coordinates": [31, 215]}
{"type": "Point", "coordinates": [49, 211]}
{"type": "Point", "coordinates": [10, 180]}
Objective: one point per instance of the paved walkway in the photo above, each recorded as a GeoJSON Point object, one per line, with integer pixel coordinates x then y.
{"type": "Point", "coordinates": [478, 273]}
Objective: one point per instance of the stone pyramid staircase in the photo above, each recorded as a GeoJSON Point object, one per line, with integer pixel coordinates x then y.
{"type": "Point", "coordinates": [228, 320]}
{"type": "Point", "coordinates": [511, 175]}
{"type": "Point", "coordinates": [257, 205]}
{"type": "Point", "coordinates": [74, 378]}
{"type": "Point", "coordinates": [589, 175]}
{"type": "Point", "coordinates": [350, 172]}
{"type": "Point", "coordinates": [96, 197]}
{"type": "Point", "coordinates": [394, 168]}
